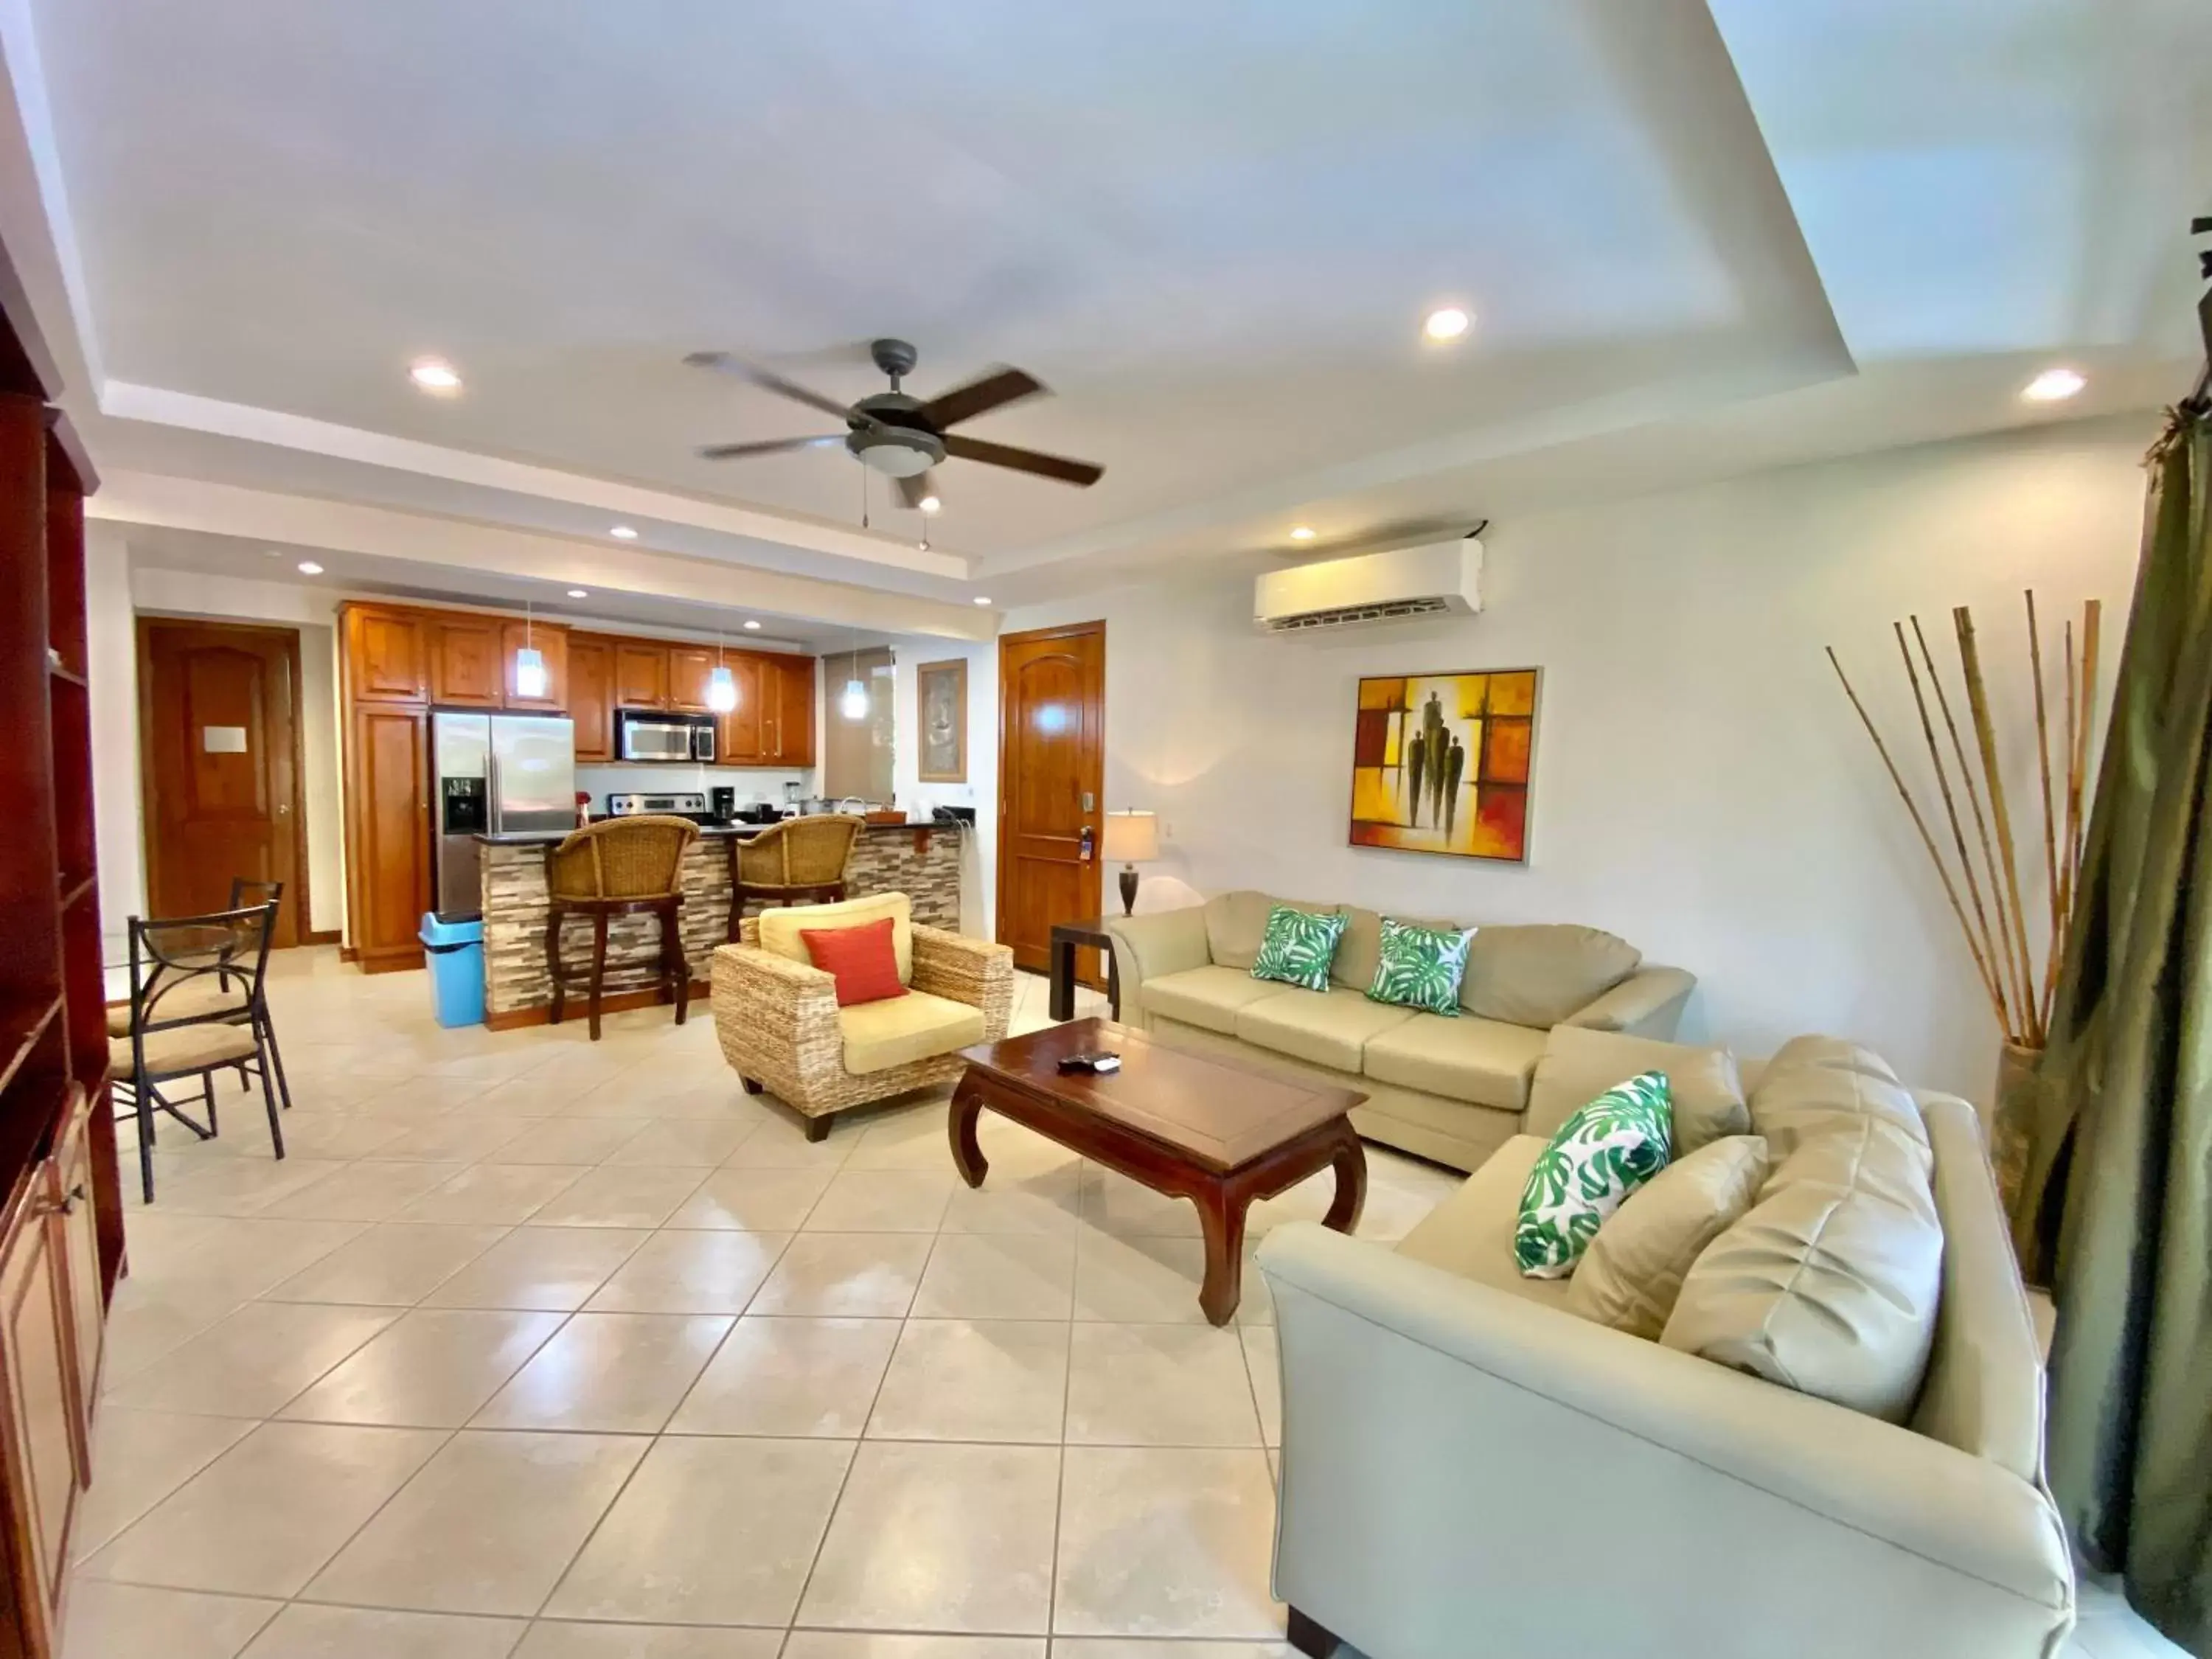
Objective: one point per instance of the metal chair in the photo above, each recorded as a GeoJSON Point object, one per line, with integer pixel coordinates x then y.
{"type": "Point", "coordinates": [620, 868]}
{"type": "Point", "coordinates": [245, 894]}
{"type": "Point", "coordinates": [800, 861]}
{"type": "Point", "coordinates": [196, 983]}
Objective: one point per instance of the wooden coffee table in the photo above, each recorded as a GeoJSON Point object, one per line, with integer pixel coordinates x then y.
{"type": "Point", "coordinates": [1212, 1131]}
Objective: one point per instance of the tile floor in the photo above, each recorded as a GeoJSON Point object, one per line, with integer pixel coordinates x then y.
{"type": "Point", "coordinates": [535, 1348]}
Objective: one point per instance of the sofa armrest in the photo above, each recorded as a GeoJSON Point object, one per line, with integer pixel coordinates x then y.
{"type": "Point", "coordinates": [776, 1020]}
{"type": "Point", "coordinates": [1455, 1458]}
{"type": "Point", "coordinates": [970, 970]}
{"type": "Point", "coordinates": [1149, 946]}
{"type": "Point", "coordinates": [1647, 1004]}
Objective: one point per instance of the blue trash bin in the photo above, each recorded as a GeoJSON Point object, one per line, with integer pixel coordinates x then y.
{"type": "Point", "coordinates": [455, 949]}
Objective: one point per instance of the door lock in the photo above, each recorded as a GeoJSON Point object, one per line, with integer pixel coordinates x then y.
{"type": "Point", "coordinates": [1089, 834]}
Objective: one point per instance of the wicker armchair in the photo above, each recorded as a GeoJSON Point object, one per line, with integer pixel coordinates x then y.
{"type": "Point", "coordinates": [781, 1027]}
{"type": "Point", "coordinates": [801, 860]}
{"type": "Point", "coordinates": [620, 868]}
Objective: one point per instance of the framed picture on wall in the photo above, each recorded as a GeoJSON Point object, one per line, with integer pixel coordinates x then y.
{"type": "Point", "coordinates": [941, 699]}
{"type": "Point", "coordinates": [1440, 763]}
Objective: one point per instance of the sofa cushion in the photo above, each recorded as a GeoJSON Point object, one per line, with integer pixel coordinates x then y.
{"type": "Point", "coordinates": [1298, 947]}
{"type": "Point", "coordinates": [1486, 1062]}
{"type": "Point", "coordinates": [1206, 997]}
{"type": "Point", "coordinates": [1578, 1066]}
{"type": "Point", "coordinates": [781, 925]}
{"type": "Point", "coordinates": [1599, 1157]}
{"type": "Point", "coordinates": [1633, 1269]}
{"type": "Point", "coordinates": [1471, 1233]}
{"type": "Point", "coordinates": [1420, 968]}
{"type": "Point", "coordinates": [1541, 976]}
{"type": "Point", "coordinates": [861, 959]}
{"type": "Point", "coordinates": [1327, 1028]}
{"type": "Point", "coordinates": [1236, 922]}
{"type": "Point", "coordinates": [1815, 1084]}
{"type": "Point", "coordinates": [901, 1030]}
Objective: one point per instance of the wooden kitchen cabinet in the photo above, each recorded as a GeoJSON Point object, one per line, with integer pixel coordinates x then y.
{"type": "Point", "coordinates": [464, 661]}
{"type": "Point", "coordinates": [794, 678]}
{"type": "Point", "coordinates": [387, 809]}
{"type": "Point", "coordinates": [590, 699]}
{"type": "Point", "coordinates": [387, 656]}
{"type": "Point", "coordinates": [738, 737]}
{"type": "Point", "coordinates": [689, 668]}
{"type": "Point", "coordinates": [640, 675]}
{"type": "Point", "coordinates": [552, 644]}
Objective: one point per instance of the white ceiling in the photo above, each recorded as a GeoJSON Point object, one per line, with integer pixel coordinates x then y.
{"type": "Point", "coordinates": [1696, 240]}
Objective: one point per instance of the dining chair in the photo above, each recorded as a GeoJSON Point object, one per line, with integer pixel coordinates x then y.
{"type": "Point", "coordinates": [802, 860]}
{"type": "Point", "coordinates": [245, 894]}
{"type": "Point", "coordinates": [620, 867]}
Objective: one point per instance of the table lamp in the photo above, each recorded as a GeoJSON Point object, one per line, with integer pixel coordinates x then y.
{"type": "Point", "coordinates": [1134, 838]}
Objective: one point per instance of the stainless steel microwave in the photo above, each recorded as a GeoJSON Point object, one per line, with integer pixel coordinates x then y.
{"type": "Point", "coordinates": [646, 735]}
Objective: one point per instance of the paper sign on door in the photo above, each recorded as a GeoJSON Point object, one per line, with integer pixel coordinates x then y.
{"type": "Point", "coordinates": [223, 740]}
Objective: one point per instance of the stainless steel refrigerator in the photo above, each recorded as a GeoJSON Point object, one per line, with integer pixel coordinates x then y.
{"type": "Point", "coordinates": [496, 775]}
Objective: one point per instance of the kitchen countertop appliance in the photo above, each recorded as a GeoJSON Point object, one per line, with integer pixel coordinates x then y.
{"type": "Point", "coordinates": [648, 734]}
{"type": "Point", "coordinates": [495, 774]}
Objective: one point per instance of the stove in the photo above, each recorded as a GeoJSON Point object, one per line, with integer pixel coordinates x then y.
{"type": "Point", "coordinates": [691, 806]}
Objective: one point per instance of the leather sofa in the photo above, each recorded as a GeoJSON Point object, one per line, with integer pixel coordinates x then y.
{"type": "Point", "coordinates": [1450, 1090]}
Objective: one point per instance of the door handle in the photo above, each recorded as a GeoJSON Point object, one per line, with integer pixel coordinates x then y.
{"type": "Point", "coordinates": [1089, 834]}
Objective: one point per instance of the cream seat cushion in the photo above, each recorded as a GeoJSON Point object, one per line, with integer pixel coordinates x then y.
{"type": "Point", "coordinates": [1484, 1062]}
{"type": "Point", "coordinates": [186, 1048]}
{"type": "Point", "coordinates": [194, 998]}
{"type": "Point", "coordinates": [1815, 1084]}
{"type": "Point", "coordinates": [1579, 1065]}
{"type": "Point", "coordinates": [1324, 1028]}
{"type": "Point", "coordinates": [1471, 1233]}
{"type": "Point", "coordinates": [779, 926]}
{"type": "Point", "coordinates": [1633, 1269]}
{"type": "Point", "coordinates": [1206, 997]}
{"type": "Point", "coordinates": [1236, 922]}
{"type": "Point", "coordinates": [1543, 974]}
{"type": "Point", "coordinates": [898, 1030]}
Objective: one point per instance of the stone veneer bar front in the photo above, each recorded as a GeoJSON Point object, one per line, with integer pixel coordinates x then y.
{"type": "Point", "coordinates": [921, 861]}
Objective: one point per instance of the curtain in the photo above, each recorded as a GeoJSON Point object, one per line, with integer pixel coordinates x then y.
{"type": "Point", "coordinates": [2116, 1213]}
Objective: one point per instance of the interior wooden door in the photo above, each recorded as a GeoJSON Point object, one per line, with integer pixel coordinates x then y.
{"type": "Point", "coordinates": [1052, 762]}
{"type": "Point", "coordinates": [591, 698]}
{"type": "Point", "coordinates": [219, 720]}
{"type": "Point", "coordinates": [464, 662]}
{"type": "Point", "coordinates": [392, 839]}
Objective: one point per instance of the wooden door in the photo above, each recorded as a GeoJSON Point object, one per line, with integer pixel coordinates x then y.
{"type": "Point", "coordinates": [219, 751]}
{"type": "Point", "coordinates": [551, 644]}
{"type": "Point", "coordinates": [688, 670]}
{"type": "Point", "coordinates": [464, 661]}
{"type": "Point", "coordinates": [1051, 751]}
{"type": "Point", "coordinates": [591, 701]}
{"type": "Point", "coordinates": [43, 1408]}
{"type": "Point", "coordinates": [392, 839]}
{"type": "Point", "coordinates": [738, 738]}
{"type": "Point", "coordinates": [793, 678]}
{"type": "Point", "coordinates": [640, 675]}
{"type": "Point", "coordinates": [386, 658]}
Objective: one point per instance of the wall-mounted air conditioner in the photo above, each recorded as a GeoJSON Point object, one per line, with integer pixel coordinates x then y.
{"type": "Point", "coordinates": [1440, 578]}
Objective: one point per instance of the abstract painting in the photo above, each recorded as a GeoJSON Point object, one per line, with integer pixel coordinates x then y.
{"type": "Point", "coordinates": [1440, 764]}
{"type": "Point", "coordinates": [941, 692]}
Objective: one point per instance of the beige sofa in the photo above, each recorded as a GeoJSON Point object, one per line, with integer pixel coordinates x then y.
{"type": "Point", "coordinates": [1468, 1467]}
{"type": "Point", "coordinates": [1452, 1089]}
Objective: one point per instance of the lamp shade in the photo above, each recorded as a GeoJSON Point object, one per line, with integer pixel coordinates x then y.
{"type": "Point", "coordinates": [1133, 837]}
{"type": "Point", "coordinates": [529, 676]}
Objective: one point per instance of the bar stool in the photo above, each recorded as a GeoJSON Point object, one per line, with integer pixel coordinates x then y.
{"type": "Point", "coordinates": [621, 867]}
{"type": "Point", "coordinates": [800, 861]}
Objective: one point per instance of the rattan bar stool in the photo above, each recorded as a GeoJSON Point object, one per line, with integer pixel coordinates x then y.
{"type": "Point", "coordinates": [621, 867]}
{"type": "Point", "coordinates": [800, 861]}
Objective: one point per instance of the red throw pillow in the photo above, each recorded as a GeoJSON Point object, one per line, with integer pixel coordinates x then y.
{"type": "Point", "coordinates": [860, 958]}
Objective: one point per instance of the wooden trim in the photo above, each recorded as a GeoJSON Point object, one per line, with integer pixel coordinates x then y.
{"type": "Point", "coordinates": [348, 954]}
{"type": "Point", "coordinates": [398, 962]}
{"type": "Point", "coordinates": [322, 936]}
{"type": "Point", "coordinates": [1096, 979]}
{"type": "Point", "coordinates": [614, 1002]}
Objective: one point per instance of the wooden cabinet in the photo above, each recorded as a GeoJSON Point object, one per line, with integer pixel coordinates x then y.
{"type": "Point", "coordinates": [552, 644]}
{"type": "Point", "coordinates": [590, 699]}
{"type": "Point", "coordinates": [45, 1406]}
{"type": "Point", "coordinates": [793, 678]}
{"type": "Point", "coordinates": [75, 1192]}
{"type": "Point", "coordinates": [464, 661]}
{"type": "Point", "coordinates": [387, 656]}
{"type": "Point", "coordinates": [387, 806]}
{"type": "Point", "coordinates": [689, 668]}
{"type": "Point", "coordinates": [738, 736]}
{"type": "Point", "coordinates": [640, 675]}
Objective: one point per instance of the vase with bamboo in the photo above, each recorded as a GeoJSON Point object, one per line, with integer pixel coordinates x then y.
{"type": "Point", "coordinates": [1995, 914]}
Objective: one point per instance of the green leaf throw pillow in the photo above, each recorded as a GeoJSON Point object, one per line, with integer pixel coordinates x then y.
{"type": "Point", "coordinates": [1299, 947]}
{"type": "Point", "coordinates": [1421, 967]}
{"type": "Point", "coordinates": [1601, 1154]}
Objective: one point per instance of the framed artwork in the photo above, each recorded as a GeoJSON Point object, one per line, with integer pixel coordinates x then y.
{"type": "Point", "coordinates": [1440, 764]}
{"type": "Point", "coordinates": [941, 694]}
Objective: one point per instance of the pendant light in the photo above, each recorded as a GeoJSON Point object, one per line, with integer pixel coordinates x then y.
{"type": "Point", "coordinates": [853, 702]}
{"type": "Point", "coordinates": [721, 685]}
{"type": "Point", "coordinates": [530, 679]}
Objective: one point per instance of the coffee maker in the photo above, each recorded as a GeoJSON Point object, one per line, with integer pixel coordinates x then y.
{"type": "Point", "coordinates": [722, 803]}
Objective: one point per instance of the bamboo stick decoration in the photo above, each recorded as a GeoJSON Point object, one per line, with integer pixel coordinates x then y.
{"type": "Point", "coordinates": [2043, 763]}
{"type": "Point", "coordinates": [1985, 738]}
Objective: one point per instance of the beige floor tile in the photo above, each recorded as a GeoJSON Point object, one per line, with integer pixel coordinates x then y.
{"type": "Point", "coordinates": [424, 1095]}
{"type": "Point", "coordinates": [1158, 1385]}
{"type": "Point", "coordinates": [780, 1143]}
{"type": "Point", "coordinates": [905, 1138]}
{"type": "Point", "coordinates": [141, 1457]}
{"type": "Point", "coordinates": [395, 1264]}
{"type": "Point", "coordinates": [431, 1368]}
{"type": "Point", "coordinates": [1139, 1281]}
{"type": "Point", "coordinates": [546, 1094]}
{"type": "Point", "coordinates": [612, 1197]}
{"type": "Point", "coordinates": [261, 1518]}
{"type": "Point", "coordinates": [571, 1140]}
{"type": "Point", "coordinates": [550, 1269]}
{"type": "Point", "coordinates": [859, 1200]}
{"type": "Point", "coordinates": [554, 1639]}
{"type": "Point", "coordinates": [879, 1644]}
{"type": "Point", "coordinates": [799, 1378]}
{"type": "Point", "coordinates": [304, 1632]}
{"type": "Point", "coordinates": [684, 1143]}
{"type": "Point", "coordinates": [491, 1195]}
{"type": "Point", "coordinates": [369, 1190]}
{"type": "Point", "coordinates": [253, 1360]}
{"type": "Point", "coordinates": [1114, 1204]}
{"type": "Point", "coordinates": [692, 1272]}
{"type": "Point", "coordinates": [237, 1186]}
{"type": "Point", "coordinates": [336, 1135]}
{"type": "Point", "coordinates": [488, 1527]}
{"type": "Point", "coordinates": [147, 1321]}
{"type": "Point", "coordinates": [1120, 1647]}
{"type": "Point", "coordinates": [754, 1200]}
{"type": "Point", "coordinates": [131, 1621]}
{"type": "Point", "coordinates": [866, 1275]}
{"type": "Point", "coordinates": [709, 1532]}
{"type": "Point", "coordinates": [718, 1099]}
{"type": "Point", "coordinates": [940, 1537]}
{"type": "Point", "coordinates": [238, 1258]}
{"type": "Point", "coordinates": [1258, 1305]}
{"type": "Point", "coordinates": [1009, 1202]}
{"type": "Point", "coordinates": [460, 1137]}
{"type": "Point", "coordinates": [1165, 1542]}
{"type": "Point", "coordinates": [961, 1379]}
{"type": "Point", "coordinates": [1262, 1360]}
{"type": "Point", "coordinates": [998, 1276]}
{"type": "Point", "coordinates": [609, 1373]}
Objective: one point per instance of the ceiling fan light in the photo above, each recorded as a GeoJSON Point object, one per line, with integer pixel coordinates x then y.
{"type": "Point", "coordinates": [853, 702]}
{"type": "Point", "coordinates": [530, 677]}
{"type": "Point", "coordinates": [721, 689]}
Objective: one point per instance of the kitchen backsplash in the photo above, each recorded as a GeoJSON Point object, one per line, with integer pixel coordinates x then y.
{"type": "Point", "coordinates": [751, 782]}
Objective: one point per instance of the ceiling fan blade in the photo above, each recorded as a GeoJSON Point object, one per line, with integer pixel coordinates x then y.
{"type": "Point", "coordinates": [995, 389]}
{"type": "Point", "coordinates": [766, 378]}
{"type": "Point", "coordinates": [1024, 461]}
{"type": "Point", "coordinates": [768, 447]}
{"type": "Point", "coordinates": [912, 490]}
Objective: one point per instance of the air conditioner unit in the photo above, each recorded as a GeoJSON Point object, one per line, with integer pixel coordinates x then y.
{"type": "Point", "coordinates": [1439, 579]}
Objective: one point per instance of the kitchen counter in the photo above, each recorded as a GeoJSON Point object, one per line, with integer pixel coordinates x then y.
{"type": "Point", "coordinates": [708, 831]}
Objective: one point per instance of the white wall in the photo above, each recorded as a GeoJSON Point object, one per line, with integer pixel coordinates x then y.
{"type": "Point", "coordinates": [1701, 785]}
{"type": "Point", "coordinates": [977, 892]}
{"type": "Point", "coordinates": [751, 782]}
{"type": "Point", "coordinates": [111, 657]}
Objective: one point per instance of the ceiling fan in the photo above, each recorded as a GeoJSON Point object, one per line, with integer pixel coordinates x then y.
{"type": "Point", "coordinates": [898, 435]}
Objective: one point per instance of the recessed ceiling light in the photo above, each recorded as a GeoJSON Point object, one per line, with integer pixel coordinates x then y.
{"type": "Point", "coordinates": [578, 593]}
{"type": "Point", "coordinates": [1446, 323]}
{"type": "Point", "coordinates": [309, 567]}
{"type": "Point", "coordinates": [2053, 386]}
{"type": "Point", "coordinates": [1303, 533]}
{"type": "Point", "coordinates": [982, 598]}
{"type": "Point", "coordinates": [622, 532]}
{"type": "Point", "coordinates": [929, 504]}
{"type": "Point", "coordinates": [751, 624]}
{"type": "Point", "coordinates": [435, 375]}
